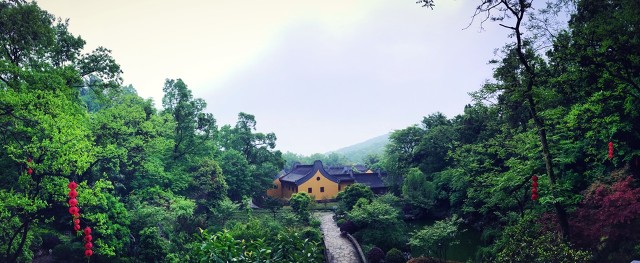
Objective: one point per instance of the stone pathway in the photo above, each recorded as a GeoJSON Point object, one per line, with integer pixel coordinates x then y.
{"type": "Point", "coordinates": [339, 248]}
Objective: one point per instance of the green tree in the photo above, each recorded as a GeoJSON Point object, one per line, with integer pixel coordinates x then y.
{"type": "Point", "coordinates": [301, 205]}
{"type": "Point", "coordinates": [350, 196]}
{"type": "Point", "coordinates": [419, 191]}
{"type": "Point", "coordinates": [435, 239]}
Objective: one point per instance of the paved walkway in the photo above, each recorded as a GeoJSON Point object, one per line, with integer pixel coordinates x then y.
{"type": "Point", "coordinates": [339, 248]}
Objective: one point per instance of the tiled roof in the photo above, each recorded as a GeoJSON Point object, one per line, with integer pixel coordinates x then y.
{"type": "Point", "coordinates": [372, 180]}
{"type": "Point", "coordinates": [302, 173]}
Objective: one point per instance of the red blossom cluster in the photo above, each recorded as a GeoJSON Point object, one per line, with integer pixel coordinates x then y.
{"type": "Point", "coordinates": [534, 188]}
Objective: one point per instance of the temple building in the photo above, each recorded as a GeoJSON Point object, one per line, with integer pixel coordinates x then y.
{"type": "Point", "coordinates": [324, 184]}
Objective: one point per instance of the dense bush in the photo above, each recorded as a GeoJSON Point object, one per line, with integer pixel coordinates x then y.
{"type": "Point", "coordinates": [348, 227]}
{"type": "Point", "coordinates": [394, 256]}
{"type": "Point", "coordinates": [526, 242]}
{"type": "Point", "coordinates": [301, 205]}
{"type": "Point", "coordinates": [375, 255]}
{"type": "Point", "coordinates": [423, 260]}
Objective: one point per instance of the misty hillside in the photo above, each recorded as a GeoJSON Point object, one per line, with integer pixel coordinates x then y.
{"type": "Point", "coordinates": [357, 152]}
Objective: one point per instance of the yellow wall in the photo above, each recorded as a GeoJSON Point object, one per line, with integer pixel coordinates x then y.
{"type": "Point", "coordinates": [343, 185]}
{"type": "Point", "coordinates": [275, 192]}
{"type": "Point", "coordinates": [330, 188]}
{"type": "Point", "coordinates": [288, 189]}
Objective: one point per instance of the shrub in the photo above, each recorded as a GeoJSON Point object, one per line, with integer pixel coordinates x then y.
{"type": "Point", "coordinates": [394, 256]}
{"type": "Point", "coordinates": [348, 227]}
{"type": "Point", "coordinates": [423, 260]}
{"type": "Point", "coordinates": [375, 255]}
{"type": "Point", "coordinates": [301, 204]}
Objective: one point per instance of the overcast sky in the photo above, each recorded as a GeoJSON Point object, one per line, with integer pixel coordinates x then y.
{"type": "Point", "coordinates": [321, 75]}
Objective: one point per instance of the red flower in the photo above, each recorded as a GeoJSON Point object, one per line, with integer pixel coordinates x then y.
{"type": "Point", "coordinates": [29, 171]}
{"type": "Point", "coordinates": [534, 197]}
{"type": "Point", "coordinates": [76, 221]}
{"type": "Point", "coordinates": [88, 245]}
{"type": "Point", "coordinates": [534, 184]}
{"type": "Point", "coordinates": [87, 230]}
{"type": "Point", "coordinates": [73, 202]}
{"type": "Point", "coordinates": [534, 190]}
{"type": "Point", "coordinates": [76, 227]}
{"type": "Point", "coordinates": [534, 178]}
{"type": "Point", "coordinates": [72, 185]}
{"type": "Point", "coordinates": [88, 252]}
{"type": "Point", "coordinates": [88, 238]}
{"type": "Point", "coordinates": [73, 193]}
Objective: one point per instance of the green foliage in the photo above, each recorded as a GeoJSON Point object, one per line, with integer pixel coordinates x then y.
{"type": "Point", "coordinates": [285, 247]}
{"type": "Point", "coordinates": [107, 216]}
{"type": "Point", "coordinates": [394, 256]}
{"type": "Point", "coordinates": [417, 190]}
{"type": "Point", "coordinates": [348, 198]}
{"type": "Point", "coordinates": [433, 240]}
{"type": "Point", "coordinates": [526, 242]}
{"type": "Point", "coordinates": [301, 205]}
{"type": "Point", "coordinates": [379, 224]}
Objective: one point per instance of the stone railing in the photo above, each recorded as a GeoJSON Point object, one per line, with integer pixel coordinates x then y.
{"type": "Point", "coordinates": [355, 244]}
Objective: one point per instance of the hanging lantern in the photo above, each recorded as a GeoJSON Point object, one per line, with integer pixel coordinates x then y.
{"type": "Point", "coordinates": [88, 252]}
{"type": "Point", "coordinates": [76, 221]}
{"type": "Point", "coordinates": [72, 185]}
{"type": "Point", "coordinates": [76, 215]}
{"type": "Point", "coordinates": [73, 202]}
{"type": "Point", "coordinates": [74, 210]}
{"type": "Point", "coordinates": [88, 238]}
{"type": "Point", "coordinates": [76, 227]}
{"type": "Point", "coordinates": [88, 245]}
{"type": "Point", "coordinates": [73, 193]}
{"type": "Point", "coordinates": [87, 230]}
{"type": "Point", "coordinates": [534, 188]}
{"type": "Point", "coordinates": [610, 150]}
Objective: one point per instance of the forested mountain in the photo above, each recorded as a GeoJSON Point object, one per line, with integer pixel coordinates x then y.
{"type": "Point", "coordinates": [358, 152]}
{"type": "Point", "coordinates": [544, 163]}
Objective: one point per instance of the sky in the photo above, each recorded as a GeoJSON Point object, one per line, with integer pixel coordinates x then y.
{"type": "Point", "coordinates": [321, 75]}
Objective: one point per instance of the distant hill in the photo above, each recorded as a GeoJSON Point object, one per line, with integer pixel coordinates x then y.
{"type": "Point", "coordinates": [357, 152]}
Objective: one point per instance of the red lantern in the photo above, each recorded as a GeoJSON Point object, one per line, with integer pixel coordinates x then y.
{"type": "Point", "coordinates": [76, 215]}
{"type": "Point", "coordinates": [73, 202]}
{"type": "Point", "coordinates": [72, 185]}
{"type": "Point", "coordinates": [610, 150]}
{"type": "Point", "coordinates": [73, 193]}
{"type": "Point", "coordinates": [76, 221]}
{"type": "Point", "coordinates": [29, 159]}
{"type": "Point", "coordinates": [87, 230]}
{"type": "Point", "coordinates": [88, 245]}
{"type": "Point", "coordinates": [534, 188]}
{"type": "Point", "coordinates": [29, 171]}
{"type": "Point", "coordinates": [88, 238]}
{"type": "Point", "coordinates": [76, 227]}
{"type": "Point", "coordinates": [88, 252]}
{"type": "Point", "coordinates": [74, 210]}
